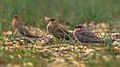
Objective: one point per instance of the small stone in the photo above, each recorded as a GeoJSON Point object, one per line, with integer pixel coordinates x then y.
{"type": "Point", "coordinates": [8, 43]}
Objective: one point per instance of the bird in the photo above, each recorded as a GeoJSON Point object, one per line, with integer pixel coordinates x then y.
{"type": "Point", "coordinates": [83, 35]}
{"type": "Point", "coordinates": [19, 26]}
{"type": "Point", "coordinates": [58, 31]}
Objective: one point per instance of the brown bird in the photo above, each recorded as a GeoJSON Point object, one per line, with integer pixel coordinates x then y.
{"type": "Point", "coordinates": [83, 35]}
{"type": "Point", "coordinates": [58, 31]}
{"type": "Point", "coordinates": [18, 26]}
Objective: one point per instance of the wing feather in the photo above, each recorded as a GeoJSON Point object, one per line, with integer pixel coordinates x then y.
{"type": "Point", "coordinates": [87, 37]}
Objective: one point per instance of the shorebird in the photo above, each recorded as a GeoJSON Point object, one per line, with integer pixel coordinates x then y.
{"type": "Point", "coordinates": [58, 31]}
{"type": "Point", "coordinates": [83, 35]}
{"type": "Point", "coordinates": [19, 27]}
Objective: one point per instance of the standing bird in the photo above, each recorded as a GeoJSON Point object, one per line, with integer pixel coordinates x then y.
{"type": "Point", "coordinates": [18, 26]}
{"type": "Point", "coordinates": [83, 35]}
{"type": "Point", "coordinates": [58, 31]}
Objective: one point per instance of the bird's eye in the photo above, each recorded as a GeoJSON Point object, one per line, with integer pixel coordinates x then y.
{"type": "Point", "coordinates": [80, 26]}
{"type": "Point", "coordinates": [52, 19]}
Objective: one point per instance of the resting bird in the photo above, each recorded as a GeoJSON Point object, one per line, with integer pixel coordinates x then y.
{"type": "Point", "coordinates": [83, 35]}
{"type": "Point", "coordinates": [58, 31]}
{"type": "Point", "coordinates": [18, 26]}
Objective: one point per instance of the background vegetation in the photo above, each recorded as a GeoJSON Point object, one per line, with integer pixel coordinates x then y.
{"type": "Point", "coordinates": [73, 11]}
{"type": "Point", "coordinates": [33, 11]}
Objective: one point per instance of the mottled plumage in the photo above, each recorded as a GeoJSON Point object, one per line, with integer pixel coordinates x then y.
{"type": "Point", "coordinates": [83, 35]}
{"type": "Point", "coordinates": [58, 31]}
{"type": "Point", "coordinates": [18, 25]}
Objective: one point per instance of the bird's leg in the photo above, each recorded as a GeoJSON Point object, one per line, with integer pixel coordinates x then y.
{"type": "Point", "coordinates": [74, 44]}
{"type": "Point", "coordinates": [74, 47]}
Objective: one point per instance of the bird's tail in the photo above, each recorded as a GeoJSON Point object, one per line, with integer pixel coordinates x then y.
{"type": "Point", "coordinates": [103, 40]}
{"type": "Point", "coordinates": [26, 33]}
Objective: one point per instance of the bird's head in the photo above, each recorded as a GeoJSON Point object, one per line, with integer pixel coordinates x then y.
{"type": "Point", "coordinates": [53, 21]}
{"type": "Point", "coordinates": [80, 27]}
{"type": "Point", "coordinates": [15, 18]}
{"type": "Point", "coordinates": [16, 22]}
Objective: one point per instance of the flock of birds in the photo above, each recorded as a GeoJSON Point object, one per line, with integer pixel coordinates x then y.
{"type": "Point", "coordinates": [80, 34]}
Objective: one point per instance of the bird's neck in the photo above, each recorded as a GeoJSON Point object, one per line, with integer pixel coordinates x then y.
{"type": "Point", "coordinates": [77, 30]}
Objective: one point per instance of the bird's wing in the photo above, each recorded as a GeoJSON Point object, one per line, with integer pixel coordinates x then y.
{"type": "Point", "coordinates": [24, 31]}
{"type": "Point", "coordinates": [61, 32]}
{"type": "Point", "coordinates": [64, 30]}
{"type": "Point", "coordinates": [88, 34]}
{"type": "Point", "coordinates": [87, 37]}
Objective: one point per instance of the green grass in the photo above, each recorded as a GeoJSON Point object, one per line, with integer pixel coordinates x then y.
{"type": "Point", "coordinates": [33, 11]}
{"type": "Point", "coordinates": [73, 11]}
{"type": "Point", "coordinates": [21, 57]}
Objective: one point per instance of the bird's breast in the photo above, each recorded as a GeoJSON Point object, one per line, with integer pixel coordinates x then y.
{"type": "Point", "coordinates": [16, 24]}
{"type": "Point", "coordinates": [75, 33]}
{"type": "Point", "coordinates": [50, 28]}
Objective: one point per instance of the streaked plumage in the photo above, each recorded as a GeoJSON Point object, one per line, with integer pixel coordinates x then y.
{"type": "Point", "coordinates": [56, 30]}
{"type": "Point", "coordinates": [18, 25]}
